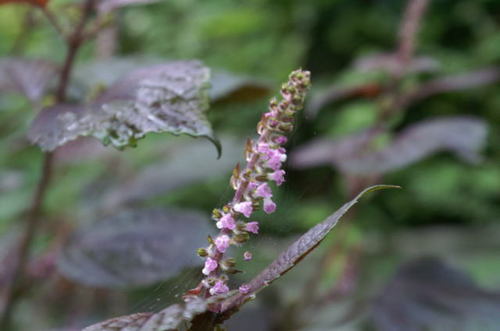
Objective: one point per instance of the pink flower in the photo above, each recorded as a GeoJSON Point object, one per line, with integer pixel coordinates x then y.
{"type": "Point", "coordinates": [247, 256]}
{"type": "Point", "coordinates": [269, 206]}
{"type": "Point", "coordinates": [244, 207]}
{"type": "Point", "coordinates": [252, 227]}
{"type": "Point", "coordinates": [210, 265]}
{"type": "Point", "coordinates": [274, 163]}
{"type": "Point", "coordinates": [263, 148]}
{"type": "Point", "coordinates": [226, 222]}
{"type": "Point", "coordinates": [278, 177]}
{"type": "Point", "coordinates": [222, 243]}
{"type": "Point", "coordinates": [252, 185]}
{"type": "Point", "coordinates": [276, 157]}
{"type": "Point", "coordinates": [219, 288]}
{"type": "Point", "coordinates": [244, 289]}
{"type": "Point", "coordinates": [281, 140]}
{"type": "Point", "coordinates": [263, 191]}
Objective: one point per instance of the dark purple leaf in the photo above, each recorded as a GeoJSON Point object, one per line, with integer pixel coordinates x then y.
{"type": "Point", "coordinates": [427, 294]}
{"type": "Point", "coordinates": [163, 98]}
{"type": "Point", "coordinates": [464, 136]}
{"type": "Point", "coordinates": [166, 320]}
{"type": "Point", "coordinates": [295, 252]}
{"type": "Point", "coordinates": [54, 126]}
{"type": "Point", "coordinates": [29, 77]}
{"type": "Point", "coordinates": [134, 248]}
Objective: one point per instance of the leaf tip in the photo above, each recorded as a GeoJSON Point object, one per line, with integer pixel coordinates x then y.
{"type": "Point", "coordinates": [218, 146]}
{"type": "Point", "coordinates": [377, 188]}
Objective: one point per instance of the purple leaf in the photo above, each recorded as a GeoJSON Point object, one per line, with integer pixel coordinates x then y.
{"type": "Point", "coordinates": [29, 77]}
{"type": "Point", "coordinates": [427, 294]}
{"type": "Point", "coordinates": [170, 98]}
{"type": "Point", "coordinates": [464, 136]}
{"type": "Point", "coordinates": [295, 252]}
{"type": "Point", "coordinates": [54, 126]}
{"type": "Point", "coordinates": [166, 320]}
{"type": "Point", "coordinates": [134, 248]}
{"type": "Point", "coordinates": [324, 151]}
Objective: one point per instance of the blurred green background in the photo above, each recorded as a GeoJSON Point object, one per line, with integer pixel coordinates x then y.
{"type": "Point", "coordinates": [447, 208]}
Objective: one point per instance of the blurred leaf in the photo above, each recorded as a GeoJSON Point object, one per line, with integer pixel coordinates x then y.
{"type": "Point", "coordinates": [170, 98]}
{"type": "Point", "coordinates": [185, 164]}
{"type": "Point", "coordinates": [452, 83]}
{"type": "Point", "coordinates": [54, 126]}
{"type": "Point", "coordinates": [464, 136]}
{"type": "Point", "coordinates": [336, 93]}
{"type": "Point", "coordinates": [389, 62]}
{"type": "Point", "coordinates": [166, 320]}
{"type": "Point", "coordinates": [229, 87]}
{"type": "Point", "coordinates": [129, 323]}
{"type": "Point", "coordinates": [104, 72]}
{"type": "Point", "coordinates": [29, 77]}
{"type": "Point", "coordinates": [134, 248]}
{"type": "Point", "coordinates": [38, 3]}
{"type": "Point", "coordinates": [327, 151]}
{"type": "Point", "coordinates": [296, 252]}
{"type": "Point", "coordinates": [110, 5]}
{"type": "Point", "coordinates": [426, 294]}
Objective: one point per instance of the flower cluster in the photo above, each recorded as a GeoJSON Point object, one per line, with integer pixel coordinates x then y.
{"type": "Point", "coordinates": [264, 158]}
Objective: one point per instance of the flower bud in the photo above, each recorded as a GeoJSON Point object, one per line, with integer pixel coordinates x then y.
{"type": "Point", "coordinates": [202, 252]}
{"type": "Point", "coordinates": [241, 238]}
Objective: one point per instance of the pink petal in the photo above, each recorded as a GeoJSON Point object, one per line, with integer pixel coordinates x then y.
{"type": "Point", "coordinates": [244, 208]}
{"type": "Point", "coordinates": [222, 243]}
{"type": "Point", "coordinates": [252, 227]}
{"type": "Point", "coordinates": [269, 206]}
{"type": "Point", "coordinates": [263, 191]}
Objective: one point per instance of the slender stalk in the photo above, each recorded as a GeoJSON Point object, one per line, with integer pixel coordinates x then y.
{"type": "Point", "coordinates": [32, 225]}
{"type": "Point", "coordinates": [408, 30]}
{"type": "Point", "coordinates": [33, 218]}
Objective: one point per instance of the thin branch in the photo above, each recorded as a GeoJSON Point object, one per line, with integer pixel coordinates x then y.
{"type": "Point", "coordinates": [408, 31]}
{"type": "Point", "coordinates": [12, 291]}
{"type": "Point", "coordinates": [74, 44]}
{"type": "Point", "coordinates": [32, 225]}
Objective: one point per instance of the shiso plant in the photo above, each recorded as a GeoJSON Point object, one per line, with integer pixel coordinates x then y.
{"type": "Point", "coordinates": [164, 96]}
{"type": "Point", "coordinates": [173, 97]}
{"type": "Point", "coordinates": [212, 302]}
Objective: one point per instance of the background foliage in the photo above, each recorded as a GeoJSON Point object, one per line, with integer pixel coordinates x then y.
{"type": "Point", "coordinates": [448, 208]}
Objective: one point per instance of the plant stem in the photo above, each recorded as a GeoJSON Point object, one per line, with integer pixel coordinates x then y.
{"type": "Point", "coordinates": [12, 291]}
{"type": "Point", "coordinates": [32, 225]}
